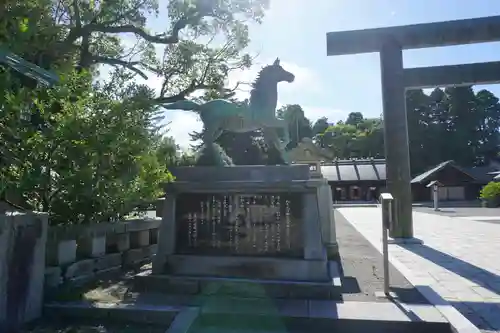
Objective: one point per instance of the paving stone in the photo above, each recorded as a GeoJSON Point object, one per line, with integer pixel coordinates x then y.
{"type": "Point", "coordinates": [486, 293]}
{"type": "Point", "coordinates": [293, 308]}
{"type": "Point", "coordinates": [361, 268]}
{"type": "Point", "coordinates": [489, 312]}
{"type": "Point", "coordinates": [472, 316]}
{"type": "Point", "coordinates": [468, 295]}
{"type": "Point", "coordinates": [458, 258]}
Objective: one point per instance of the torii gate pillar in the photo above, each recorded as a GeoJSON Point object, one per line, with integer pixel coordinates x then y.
{"type": "Point", "coordinates": [397, 154]}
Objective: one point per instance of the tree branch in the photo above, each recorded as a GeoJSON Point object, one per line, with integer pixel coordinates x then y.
{"type": "Point", "coordinates": [159, 39]}
{"type": "Point", "coordinates": [184, 93]}
{"type": "Point", "coordinates": [78, 20]}
{"type": "Point", "coordinates": [117, 62]}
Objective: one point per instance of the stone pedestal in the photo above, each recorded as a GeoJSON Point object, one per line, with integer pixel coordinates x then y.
{"type": "Point", "coordinates": [263, 222]}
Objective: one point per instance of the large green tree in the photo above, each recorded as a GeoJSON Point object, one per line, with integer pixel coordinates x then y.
{"type": "Point", "coordinates": [201, 42]}
{"type": "Point", "coordinates": [86, 144]}
{"type": "Point", "coordinates": [455, 123]}
{"type": "Point", "coordinates": [299, 126]}
{"type": "Point", "coordinates": [170, 154]}
{"type": "Point", "coordinates": [93, 161]}
{"type": "Point", "coordinates": [356, 137]}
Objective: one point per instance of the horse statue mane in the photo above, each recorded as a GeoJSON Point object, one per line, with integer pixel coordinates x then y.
{"type": "Point", "coordinates": [264, 92]}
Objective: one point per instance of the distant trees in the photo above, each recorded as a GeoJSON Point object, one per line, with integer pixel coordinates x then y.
{"type": "Point", "coordinates": [454, 123]}
{"type": "Point", "coordinates": [299, 126]}
{"type": "Point", "coordinates": [356, 137]}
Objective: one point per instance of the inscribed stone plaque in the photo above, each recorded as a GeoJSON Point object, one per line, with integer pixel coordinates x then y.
{"type": "Point", "coordinates": [242, 224]}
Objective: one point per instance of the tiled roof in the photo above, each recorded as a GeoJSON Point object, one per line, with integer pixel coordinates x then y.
{"type": "Point", "coordinates": [479, 174]}
{"type": "Point", "coordinates": [423, 176]}
{"type": "Point", "coordinates": [482, 174]}
{"type": "Point", "coordinates": [354, 170]}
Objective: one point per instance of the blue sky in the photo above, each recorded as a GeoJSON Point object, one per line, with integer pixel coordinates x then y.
{"type": "Point", "coordinates": [295, 30]}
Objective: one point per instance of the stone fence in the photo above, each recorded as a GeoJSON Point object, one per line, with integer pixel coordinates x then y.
{"type": "Point", "coordinates": [80, 253]}
{"type": "Point", "coordinates": [33, 254]}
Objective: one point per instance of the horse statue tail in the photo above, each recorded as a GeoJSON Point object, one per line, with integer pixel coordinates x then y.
{"type": "Point", "coordinates": [183, 105]}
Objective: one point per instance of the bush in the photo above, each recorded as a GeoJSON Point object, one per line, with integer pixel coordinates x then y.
{"type": "Point", "coordinates": [490, 191]}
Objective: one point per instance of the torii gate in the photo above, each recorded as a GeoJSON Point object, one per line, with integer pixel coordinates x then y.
{"type": "Point", "coordinates": [390, 42]}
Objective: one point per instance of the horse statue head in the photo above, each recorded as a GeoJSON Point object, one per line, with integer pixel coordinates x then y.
{"type": "Point", "coordinates": [277, 73]}
{"type": "Point", "coordinates": [264, 93]}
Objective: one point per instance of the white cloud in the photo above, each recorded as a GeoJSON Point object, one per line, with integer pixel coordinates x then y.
{"type": "Point", "coordinates": [333, 115]}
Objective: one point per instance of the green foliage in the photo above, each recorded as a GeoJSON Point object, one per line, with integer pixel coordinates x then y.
{"type": "Point", "coordinates": [354, 118]}
{"type": "Point", "coordinates": [169, 153]}
{"type": "Point", "coordinates": [299, 126]}
{"type": "Point", "coordinates": [490, 191]}
{"type": "Point", "coordinates": [454, 123]}
{"type": "Point", "coordinates": [201, 43]}
{"type": "Point", "coordinates": [186, 159]}
{"type": "Point", "coordinates": [94, 162]}
{"type": "Point", "coordinates": [243, 148]}
{"type": "Point", "coordinates": [89, 152]}
{"type": "Point", "coordinates": [357, 137]}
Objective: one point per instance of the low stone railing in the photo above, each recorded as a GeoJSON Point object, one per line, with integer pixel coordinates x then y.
{"type": "Point", "coordinates": [81, 253]}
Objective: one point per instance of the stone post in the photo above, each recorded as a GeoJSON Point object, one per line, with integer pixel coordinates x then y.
{"type": "Point", "coordinates": [396, 137]}
{"type": "Point", "coordinates": [435, 196]}
{"type": "Point", "coordinates": [167, 235]}
{"type": "Point", "coordinates": [313, 244]}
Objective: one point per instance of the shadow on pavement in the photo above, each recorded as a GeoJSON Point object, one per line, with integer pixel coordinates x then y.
{"type": "Point", "coordinates": [471, 272]}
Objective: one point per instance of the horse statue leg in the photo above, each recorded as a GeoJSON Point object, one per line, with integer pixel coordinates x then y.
{"type": "Point", "coordinates": [211, 134]}
{"type": "Point", "coordinates": [286, 134]}
{"type": "Point", "coordinates": [272, 139]}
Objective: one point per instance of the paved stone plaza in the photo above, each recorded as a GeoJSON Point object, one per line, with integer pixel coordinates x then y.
{"type": "Point", "coordinates": [491, 215]}
{"type": "Point", "coordinates": [458, 259]}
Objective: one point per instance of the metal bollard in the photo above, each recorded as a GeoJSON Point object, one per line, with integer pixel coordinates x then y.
{"type": "Point", "coordinates": [386, 201]}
